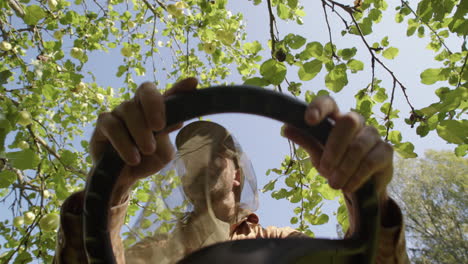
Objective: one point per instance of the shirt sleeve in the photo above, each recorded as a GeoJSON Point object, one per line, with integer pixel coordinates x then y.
{"type": "Point", "coordinates": [250, 228]}
{"type": "Point", "coordinates": [70, 244]}
{"type": "Point", "coordinates": [392, 242]}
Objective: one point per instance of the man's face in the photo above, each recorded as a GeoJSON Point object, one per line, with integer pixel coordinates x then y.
{"type": "Point", "coordinates": [225, 189]}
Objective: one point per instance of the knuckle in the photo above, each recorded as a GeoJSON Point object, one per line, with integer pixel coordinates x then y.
{"type": "Point", "coordinates": [352, 120]}
{"type": "Point", "coordinates": [125, 106]}
{"type": "Point", "coordinates": [147, 85]}
{"type": "Point", "coordinates": [102, 118]}
{"type": "Point", "coordinates": [367, 166]}
{"type": "Point", "coordinates": [371, 130]}
{"type": "Point", "coordinates": [168, 156]}
{"type": "Point", "coordinates": [113, 124]}
{"type": "Point", "coordinates": [388, 149]}
{"type": "Point", "coordinates": [358, 146]}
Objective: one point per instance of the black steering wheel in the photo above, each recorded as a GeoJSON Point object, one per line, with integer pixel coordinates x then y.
{"type": "Point", "coordinates": [360, 247]}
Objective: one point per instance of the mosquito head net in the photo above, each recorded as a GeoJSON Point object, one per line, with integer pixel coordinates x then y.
{"type": "Point", "coordinates": [209, 186]}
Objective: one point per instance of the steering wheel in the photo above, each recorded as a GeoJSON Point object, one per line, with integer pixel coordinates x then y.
{"type": "Point", "coordinates": [360, 247]}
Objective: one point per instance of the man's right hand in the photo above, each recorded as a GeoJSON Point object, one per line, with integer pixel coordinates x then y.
{"type": "Point", "coordinates": [129, 128]}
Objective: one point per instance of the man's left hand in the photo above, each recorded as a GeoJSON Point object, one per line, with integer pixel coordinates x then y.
{"type": "Point", "coordinates": [354, 152]}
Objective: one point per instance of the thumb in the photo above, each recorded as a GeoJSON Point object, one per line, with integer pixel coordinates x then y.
{"type": "Point", "coordinates": [306, 141]}
{"type": "Point", "coordinates": [184, 85]}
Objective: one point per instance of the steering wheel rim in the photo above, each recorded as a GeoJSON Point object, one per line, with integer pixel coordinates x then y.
{"type": "Point", "coordinates": [228, 99]}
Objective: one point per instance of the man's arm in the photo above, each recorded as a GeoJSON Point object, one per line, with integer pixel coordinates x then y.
{"type": "Point", "coordinates": [354, 154]}
{"type": "Point", "coordinates": [392, 243]}
{"type": "Point", "coordinates": [129, 129]}
{"type": "Point", "coordinates": [70, 242]}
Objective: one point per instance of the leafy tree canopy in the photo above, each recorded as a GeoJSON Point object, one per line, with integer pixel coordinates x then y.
{"type": "Point", "coordinates": [49, 94]}
{"type": "Point", "coordinates": [432, 193]}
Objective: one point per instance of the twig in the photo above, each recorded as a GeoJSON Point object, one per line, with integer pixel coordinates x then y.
{"type": "Point", "coordinates": [373, 73]}
{"type": "Point", "coordinates": [427, 25]}
{"type": "Point", "coordinates": [273, 38]}
{"type": "Point", "coordinates": [403, 88]}
{"type": "Point", "coordinates": [347, 8]}
{"type": "Point", "coordinates": [329, 30]}
{"type": "Point", "coordinates": [17, 7]}
{"type": "Point", "coordinates": [150, 7]}
{"type": "Point", "coordinates": [461, 71]}
{"type": "Point", "coordinates": [187, 51]}
{"type": "Point", "coordinates": [100, 6]}
{"type": "Point", "coordinates": [390, 109]}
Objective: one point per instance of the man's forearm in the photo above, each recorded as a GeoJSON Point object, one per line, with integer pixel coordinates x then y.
{"type": "Point", "coordinates": [390, 214]}
{"type": "Point", "coordinates": [122, 189]}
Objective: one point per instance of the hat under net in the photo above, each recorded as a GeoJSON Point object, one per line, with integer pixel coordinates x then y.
{"type": "Point", "coordinates": [193, 202]}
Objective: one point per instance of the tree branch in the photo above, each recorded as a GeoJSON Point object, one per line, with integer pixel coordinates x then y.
{"type": "Point", "coordinates": [273, 37]}
{"type": "Point", "coordinates": [41, 141]}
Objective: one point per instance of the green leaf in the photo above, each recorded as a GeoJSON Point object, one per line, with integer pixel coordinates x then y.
{"type": "Point", "coordinates": [390, 53]}
{"type": "Point", "coordinates": [269, 186]}
{"type": "Point", "coordinates": [394, 137]}
{"type": "Point", "coordinates": [68, 157]}
{"type": "Point", "coordinates": [252, 47]}
{"type": "Point", "coordinates": [295, 41]}
{"type": "Point", "coordinates": [322, 219]}
{"type": "Point", "coordinates": [256, 81]}
{"type": "Point", "coordinates": [327, 192]}
{"type": "Point", "coordinates": [282, 193]}
{"type": "Point", "coordinates": [4, 75]}
{"type": "Point", "coordinates": [430, 76]}
{"type": "Point", "coordinates": [384, 41]}
{"type": "Point", "coordinates": [23, 160]}
{"type": "Point", "coordinates": [355, 65]}
{"type": "Point", "coordinates": [142, 196]}
{"type": "Point", "coordinates": [337, 78]}
{"type": "Point", "coordinates": [380, 96]}
{"type": "Point", "coordinates": [454, 131]}
{"type": "Point", "coordinates": [313, 49]}
{"type": "Point", "coordinates": [461, 150]}
{"type": "Point", "coordinates": [33, 13]}
{"type": "Point", "coordinates": [347, 54]}
{"type": "Point", "coordinates": [309, 70]}
{"type": "Point", "coordinates": [7, 178]}
{"type": "Point", "coordinates": [292, 3]}
{"type": "Point", "coordinates": [273, 71]}
{"type": "Point", "coordinates": [283, 11]}
{"type": "Point", "coordinates": [294, 220]}
{"type": "Point", "coordinates": [366, 26]}
{"type": "Point", "coordinates": [406, 150]}
{"type": "Point", "coordinates": [50, 92]}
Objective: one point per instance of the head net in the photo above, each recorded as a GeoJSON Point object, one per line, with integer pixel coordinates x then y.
{"type": "Point", "coordinates": [196, 198]}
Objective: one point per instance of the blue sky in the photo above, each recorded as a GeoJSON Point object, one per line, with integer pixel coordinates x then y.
{"type": "Point", "coordinates": [260, 136]}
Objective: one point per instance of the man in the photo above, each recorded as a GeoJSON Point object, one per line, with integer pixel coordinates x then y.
{"type": "Point", "coordinates": [354, 154]}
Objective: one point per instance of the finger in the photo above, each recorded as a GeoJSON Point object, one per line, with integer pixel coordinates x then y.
{"type": "Point", "coordinates": [363, 142]}
{"type": "Point", "coordinates": [185, 85]}
{"type": "Point", "coordinates": [378, 162]}
{"type": "Point", "coordinates": [306, 141]}
{"type": "Point", "coordinates": [319, 108]}
{"type": "Point", "coordinates": [151, 102]}
{"type": "Point", "coordinates": [131, 114]}
{"type": "Point", "coordinates": [346, 127]}
{"type": "Point", "coordinates": [173, 128]}
{"type": "Point", "coordinates": [150, 164]}
{"type": "Point", "coordinates": [111, 129]}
